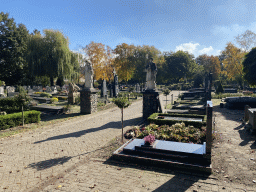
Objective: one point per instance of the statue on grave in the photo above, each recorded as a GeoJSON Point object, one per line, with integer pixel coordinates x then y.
{"type": "Point", "coordinates": [88, 74]}
{"type": "Point", "coordinates": [151, 70]}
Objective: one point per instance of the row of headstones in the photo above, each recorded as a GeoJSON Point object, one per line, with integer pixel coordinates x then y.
{"type": "Point", "coordinates": [114, 89]}
{"type": "Point", "coordinates": [11, 89]}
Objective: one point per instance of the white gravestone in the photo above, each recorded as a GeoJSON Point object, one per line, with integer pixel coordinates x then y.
{"type": "Point", "coordinates": [88, 74]}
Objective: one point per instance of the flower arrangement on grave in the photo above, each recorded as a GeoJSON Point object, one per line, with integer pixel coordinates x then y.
{"type": "Point", "coordinates": [149, 140]}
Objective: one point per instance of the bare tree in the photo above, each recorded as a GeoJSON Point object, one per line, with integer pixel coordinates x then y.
{"type": "Point", "coordinates": [247, 40]}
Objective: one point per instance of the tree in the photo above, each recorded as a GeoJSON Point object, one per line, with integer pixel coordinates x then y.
{"type": "Point", "coordinates": [247, 40]}
{"type": "Point", "coordinates": [57, 60]}
{"type": "Point", "coordinates": [180, 65]}
{"type": "Point", "coordinates": [249, 67]}
{"type": "Point", "coordinates": [122, 103]}
{"type": "Point", "coordinates": [96, 54]}
{"type": "Point", "coordinates": [13, 47]}
{"type": "Point", "coordinates": [166, 92]}
{"type": "Point", "coordinates": [233, 62]}
{"type": "Point", "coordinates": [124, 63]}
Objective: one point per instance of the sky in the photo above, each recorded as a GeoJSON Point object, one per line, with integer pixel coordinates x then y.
{"type": "Point", "coordinates": [196, 26]}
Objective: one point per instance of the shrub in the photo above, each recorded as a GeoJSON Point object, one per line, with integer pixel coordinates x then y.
{"type": "Point", "coordinates": [219, 89]}
{"type": "Point", "coordinates": [178, 132]}
{"type": "Point", "coordinates": [54, 99]}
{"type": "Point", "coordinates": [14, 104]}
{"type": "Point", "coordinates": [161, 121]}
{"type": "Point", "coordinates": [60, 81]}
{"type": "Point", "coordinates": [43, 94]}
{"type": "Point", "coordinates": [15, 119]}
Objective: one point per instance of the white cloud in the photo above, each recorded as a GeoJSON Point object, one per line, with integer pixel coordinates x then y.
{"type": "Point", "coordinates": [206, 50]}
{"type": "Point", "coordinates": [196, 49]}
{"type": "Point", "coordinates": [189, 47]}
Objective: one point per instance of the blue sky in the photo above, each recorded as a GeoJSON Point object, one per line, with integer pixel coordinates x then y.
{"type": "Point", "coordinates": [198, 26]}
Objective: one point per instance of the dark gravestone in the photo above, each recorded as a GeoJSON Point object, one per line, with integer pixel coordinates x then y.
{"type": "Point", "coordinates": [104, 88]}
{"type": "Point", "coordinates": [240, 102]}
{"type": "Point", "coordinates": [115, 86]}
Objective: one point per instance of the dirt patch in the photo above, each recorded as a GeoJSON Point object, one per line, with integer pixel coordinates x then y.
{"type": "Point", "coordinates": [233, 153]}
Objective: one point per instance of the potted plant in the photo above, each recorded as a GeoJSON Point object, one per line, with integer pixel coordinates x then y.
{"type": "Point", "coordinates": [149, 140]}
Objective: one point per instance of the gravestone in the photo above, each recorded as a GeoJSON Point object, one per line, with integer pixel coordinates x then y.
{"type": "Point", "coordinates": [2, 92]}
{"type": "Point", "coordinates": [88, 95]}
{"type": "Point", "coordinates": [48, 89]}
{"type": "Point", "coordinates": [10, 89]}
{"type": "Point", "coordinates": [104, 89]}
{"type": "Point", "coordinates": [137, 87]}
{"type": "Point", "coordinates": [73, 93]}
{"type": "Point", "coordinates": [115, 85]}
{"type": "Point", "coordinates": [151, 102]}
{"type": "Point", "coordinates": [54, 89]}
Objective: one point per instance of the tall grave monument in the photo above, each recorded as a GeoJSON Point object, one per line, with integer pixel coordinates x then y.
{"type": "Point", "coordinates": [115, 85]}
{"type": "Point", "coordinates": [150, 95]}
{"type": "Point", "coordinates": [88, 95]}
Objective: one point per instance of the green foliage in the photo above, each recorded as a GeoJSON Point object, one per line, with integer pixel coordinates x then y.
{"type": "Point", "coordinates": [249, 67]}
{"type": "Point", "coordinates": [54, 100]}
{"type": "Point", "coordinates": [60, 81]}
{"type": "Point", "coordinates": [178, 132]}
{"type": "Point", "coordinates": [158, 121]}
{"type": "Point", "coordinates": [2, 83]}
{"type": "Point", "coordinates": [44, 94]}
{"type": "Point", "coordinates": [219, 89]}
{"type": "Point", "coordinates": [13, 50]}
{"type": "Point", "coordinates": [121, 102]}
{"type": "Point", "coordinates": [179, 65]}
{"type": "Point", "coordinates": [14, 104]}
{"type": "Point", "coordinates": [166, 92]}
{"type": "Point", "coordinates": [15, 119]}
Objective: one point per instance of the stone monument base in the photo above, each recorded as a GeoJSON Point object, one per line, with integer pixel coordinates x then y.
{"type": "Point", "coordinates": [150, 103]}
{"type": "Point", "coordinates": [89, 100]}
{"type": "Point", "coordinates": [72, 97]}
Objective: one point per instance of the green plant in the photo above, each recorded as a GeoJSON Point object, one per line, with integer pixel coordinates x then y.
{"type": "Point", "coordinates": [2, 83]}
{"type": "Point", "coordinates": [121, 103]}
{"type": "Point", "coordinates": [44, 94]}
{"type": "Point", "coordinates": [219, 88]}
{"type": "Point", "coordinates": [15, 119]}
{"type": "Point", "coordinates": [54, 100]}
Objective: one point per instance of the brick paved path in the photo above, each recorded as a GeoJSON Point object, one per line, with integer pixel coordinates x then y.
{"type": "Point", "coordinates": [57, 157]}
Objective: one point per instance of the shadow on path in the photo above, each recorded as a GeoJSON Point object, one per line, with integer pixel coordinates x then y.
{"type": "Point", "coordinates": [181, 181]}
{"type": "Point", "coordinates": [112, 125]}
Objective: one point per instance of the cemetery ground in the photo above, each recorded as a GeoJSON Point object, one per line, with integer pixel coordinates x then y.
{"type": "Point", "coordinates": [75, 155]}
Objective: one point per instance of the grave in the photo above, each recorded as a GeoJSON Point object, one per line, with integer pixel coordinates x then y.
{"type": "Point", "coordinates": [230, 90]}
{"type": "Point", "coordinates": [169, 154]}
{"type": "Point", "coordinates": [104, 89]}
{"type": "Point", "coordinates": [49, 109]}
{"type": "Point", "coordinates": [252, 118]}
{"type": "Point", "coordinates": [183, 119]}
{"type": "Point", "coordinates": [151, 102]}
{"type": "Point", "coordinates": [88, 95]}
{"type": "Point", "coordinates": [240, 102]}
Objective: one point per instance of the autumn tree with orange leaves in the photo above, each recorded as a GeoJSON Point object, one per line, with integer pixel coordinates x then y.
{"type": "Point", "coordinates": [101, 58]}
{"type": "Point", "coordinates": [233, 62]}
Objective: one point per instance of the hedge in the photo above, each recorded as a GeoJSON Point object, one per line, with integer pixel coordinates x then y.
{"type": "Point", "coordinates": [153, 119]}
{"type": "Point", "coordinates": [13, 104]}
{"type": "Point", "coordinates": [15, 119]}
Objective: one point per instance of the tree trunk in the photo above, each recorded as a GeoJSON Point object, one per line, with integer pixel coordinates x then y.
{"type": "Point", "coordinates": [51, 79]}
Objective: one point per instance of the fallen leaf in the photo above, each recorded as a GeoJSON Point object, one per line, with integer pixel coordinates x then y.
{"type": "Point", "coordinates": [59, 186]}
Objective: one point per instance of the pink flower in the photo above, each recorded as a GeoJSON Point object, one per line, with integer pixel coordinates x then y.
{"type": "Point", "coordinates": [149, 139]}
